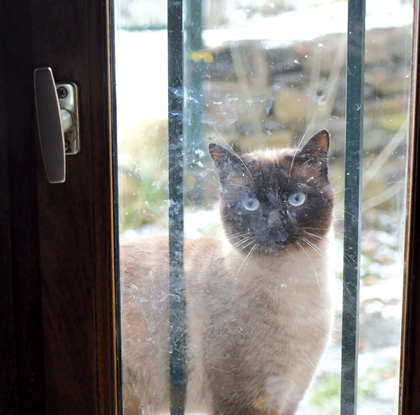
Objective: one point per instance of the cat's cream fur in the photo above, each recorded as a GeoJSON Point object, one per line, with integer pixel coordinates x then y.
{"type": "Point", "coordinates": [288, 310]}
{"type": "Point", "coordinates": [257, 325]}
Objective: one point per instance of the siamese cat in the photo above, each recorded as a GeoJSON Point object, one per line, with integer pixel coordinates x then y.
{"type": "Point", "coordinates": [259, 302]}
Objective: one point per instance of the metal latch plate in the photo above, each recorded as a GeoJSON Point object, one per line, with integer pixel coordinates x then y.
{"type": "Point", "coordinates": [69, 100]}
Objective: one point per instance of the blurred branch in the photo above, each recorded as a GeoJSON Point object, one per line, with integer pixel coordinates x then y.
{"type": "Point", "coordinates": [385, 154]}
{"type": "Point", "coordinates": [382, 197]}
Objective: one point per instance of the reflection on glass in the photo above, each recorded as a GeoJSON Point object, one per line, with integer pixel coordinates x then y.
{"type": "Point", "coordinates": [260, 76]}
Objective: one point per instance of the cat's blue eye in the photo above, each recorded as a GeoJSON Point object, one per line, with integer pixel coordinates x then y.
{"type": "Point", "coordinates": [250, 203]}
{"type": "Point", "coordinates": [297, 199]}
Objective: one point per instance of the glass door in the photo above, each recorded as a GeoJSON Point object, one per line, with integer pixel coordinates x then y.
{"type": "Point", "coordinates": [234, 159]}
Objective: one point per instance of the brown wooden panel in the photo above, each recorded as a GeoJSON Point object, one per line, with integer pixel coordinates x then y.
{"type": "Point", "coordinates": [8, 367]}
{"type": "Point", "coordinates": [22, 385]}
{"type": "Point", "coordinates": [75, 220]}
{"type": "Point", "coordinates": [57, 325]}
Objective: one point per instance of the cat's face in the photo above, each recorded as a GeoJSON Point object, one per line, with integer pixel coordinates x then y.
{"type": "Point", "coordinates": [274, 199]}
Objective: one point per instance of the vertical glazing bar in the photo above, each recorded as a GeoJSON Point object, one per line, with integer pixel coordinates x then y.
{"type": "Point", "coordinates": [352, 204]}
{"type": "Point", "coordinates": [177, 319]}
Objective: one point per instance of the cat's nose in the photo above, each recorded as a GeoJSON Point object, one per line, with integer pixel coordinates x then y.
{"type": "Point", "coordinates": [279, 236]}
{"type": "Point", "coordinates": [274, 219]}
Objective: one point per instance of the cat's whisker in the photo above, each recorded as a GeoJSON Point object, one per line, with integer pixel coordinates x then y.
{"type": "Point", "coordinates": [332, 243]}
{"type": "Point", "coordinates": [243, 245]}
{"type": "Point", "coordinates": [314, 236]}
{"type": "Point", "coordinates": [248, 255]}
{"type": "Point", "coordinates": [310, 260]}
{"type": "Point", "coordinates": [317, 237]}
{"type": "Point", "coordinates": [252, 241]}
{"type": "Point", "coordinates": [239, 238]}
{"type": "Point", "coordinates": [312, 245]}
{"type": "Point", "coordinates": [235, 153]}
{"type": "Point", "coordinates": [242, 239]}
{"type": "Point", "coordinates": [299, 146]}
{"type": "Point", "coordinates": [344, 211]}
{"type": "Point", "coordinates": [240, 235]}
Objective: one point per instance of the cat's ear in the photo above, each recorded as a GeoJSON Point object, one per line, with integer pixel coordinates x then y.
{"type": "Point", "coordinates": [227, 163]}
{"type": "Point", "coordinates": [317, 147]}
{"type": "Point", "coordinates": [316, 150]}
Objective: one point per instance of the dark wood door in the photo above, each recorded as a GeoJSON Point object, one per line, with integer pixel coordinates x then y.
{"type": "Point", "coordinates": [57, 282]}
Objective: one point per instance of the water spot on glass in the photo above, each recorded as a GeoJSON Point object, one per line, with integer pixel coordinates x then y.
{"type": "Point", "coordinates": [208, 120]}
{"type": "Point", "coordinates": [321, 99]}
{"type": "Point", "coordinates": [177, 91]}
{"type": "Point", "coordinates": [232, 118]}
{"type": "Point", "coordinates": [192, 99]}
{"type": "Point", "coordinates": [200, 153]}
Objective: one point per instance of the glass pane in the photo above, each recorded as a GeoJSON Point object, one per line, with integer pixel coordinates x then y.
{"type": "Point", "coordinates": [261, 76]}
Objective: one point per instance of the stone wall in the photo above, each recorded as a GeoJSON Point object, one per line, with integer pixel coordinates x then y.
{"type": "Point", "coordinates": [256, 96]}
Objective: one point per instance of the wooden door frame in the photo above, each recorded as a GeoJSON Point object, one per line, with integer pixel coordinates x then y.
{"type": "Point", "coordinates": [57, 291]}
{"type": "Point", "coordinates": [410, 362]}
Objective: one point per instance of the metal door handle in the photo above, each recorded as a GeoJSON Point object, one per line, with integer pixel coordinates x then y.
{"type": "Point", "coordinates": [58, 125]}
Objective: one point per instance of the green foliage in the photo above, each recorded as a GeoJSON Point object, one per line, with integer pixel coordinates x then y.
{"type": "Point", "coordinates": [143, 175]}
{"type": "Point", "coordinates": [325, 399]}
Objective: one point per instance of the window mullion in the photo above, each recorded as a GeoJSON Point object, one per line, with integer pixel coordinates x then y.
{"type": "Point", "coordinates": [352, 203]}
{"type": "Point", "coordinates": [177, 319]}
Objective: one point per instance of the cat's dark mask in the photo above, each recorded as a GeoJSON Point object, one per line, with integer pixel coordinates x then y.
{"type": "Point", "coordinates": [272, 199]}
